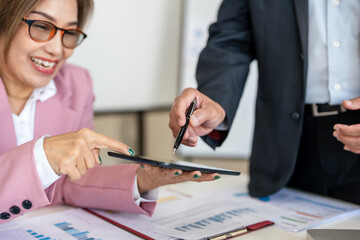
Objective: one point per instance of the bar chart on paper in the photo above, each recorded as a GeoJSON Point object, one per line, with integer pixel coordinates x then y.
{"type": "Point", "coordinates": [220, 217]}
{"type": "Point", "coordinates": [194, 218]}
{"type": "Point", "coordinates": [76, 233]}
{"type": "Point", "coordinates": [67, 228]}
{"type": "Point", "coordinates": [38, 235]}
{"type": "Point", "coordinates": [68, 224]}
{"type": "Point", "coordinates": [208, 219]}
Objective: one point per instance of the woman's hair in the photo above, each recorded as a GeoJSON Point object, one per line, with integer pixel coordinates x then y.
{"type": "Point", "coordinates": [12, 11]}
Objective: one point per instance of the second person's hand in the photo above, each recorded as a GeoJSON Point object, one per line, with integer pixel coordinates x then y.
{"type": "Point", "coordinates": [349, 135]}
{"type": "Point", "coordinates": [74, 152]}
{"type": "Point", "coordinates": [207, 116]}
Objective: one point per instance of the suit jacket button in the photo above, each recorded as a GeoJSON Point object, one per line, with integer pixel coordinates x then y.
{"type": "Point", "coordinates": [27, 204]}
{"type": "Point", "coordinates": [15, 210]}
{"type": "Point", "coordinates": [295, 116]}
{"type": "Point", "coordinates": [4, 215]}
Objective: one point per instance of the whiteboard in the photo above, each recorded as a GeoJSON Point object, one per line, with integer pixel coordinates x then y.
{"type": "Point", "coordinates": [132, 52]}
{"type": "Point", "coordinates": [198, 14]}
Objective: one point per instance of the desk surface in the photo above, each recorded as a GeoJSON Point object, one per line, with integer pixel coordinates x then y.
{"type": "Point", "coordinates": [268, 233]}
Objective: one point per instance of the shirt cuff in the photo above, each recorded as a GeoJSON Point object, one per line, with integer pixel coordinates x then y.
{"type": "Point", "coordinates": [224, 126]}
{"type": "Point", "coordinates": [46, 173]}
{"type": "Point", "coordinates": [149, 196]}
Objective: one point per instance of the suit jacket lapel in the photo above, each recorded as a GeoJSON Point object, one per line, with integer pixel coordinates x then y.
{"type": "Point", "coordinates": [302, 16]}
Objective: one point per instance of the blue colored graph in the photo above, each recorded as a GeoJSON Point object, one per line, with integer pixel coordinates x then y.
{"type": "Point", "coordinates": [218, 218]}
{"type": "Point", "coordinates": [81, 235]}
{"type": "Point", "coordinates": [38, 235]}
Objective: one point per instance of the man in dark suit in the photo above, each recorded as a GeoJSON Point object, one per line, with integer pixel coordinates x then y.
{"type": "Point", "coordinates": [307, 132]}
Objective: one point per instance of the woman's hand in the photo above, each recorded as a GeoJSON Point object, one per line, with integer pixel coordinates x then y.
{"type": "Point", "coordinates": [75, 152]}
{"type": "Point", "coordinates": [207, 116]}
{"type": "Point", "coordinates": [150, 177]}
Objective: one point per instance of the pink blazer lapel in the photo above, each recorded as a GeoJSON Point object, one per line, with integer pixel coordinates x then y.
{"type": "Point", "coordinates": [54, 117]}
{"type": "Point", "coordinates": [7, 130]}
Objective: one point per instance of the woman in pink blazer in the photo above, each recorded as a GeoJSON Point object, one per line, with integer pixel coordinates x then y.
{"type": "Point", "coordinates": [48, 154]}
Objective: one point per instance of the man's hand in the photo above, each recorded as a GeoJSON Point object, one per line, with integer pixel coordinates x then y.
{"type": "Point", "coordinates": [207, 116]}
{"type": "Point", "coordinates": [349, 135]}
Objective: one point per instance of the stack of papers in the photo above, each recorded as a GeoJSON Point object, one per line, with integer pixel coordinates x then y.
{"type": "Point", "coordinates": [182, 216]}
{"type": "Point", "coordinates": [196, 217]}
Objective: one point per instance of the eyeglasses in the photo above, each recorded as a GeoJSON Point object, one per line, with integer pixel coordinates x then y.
{"type": "Point", "coordinates": [42, 31]}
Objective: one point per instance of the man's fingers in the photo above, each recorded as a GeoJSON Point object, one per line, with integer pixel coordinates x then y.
{"type": "Point", "coordinates": [351, 130]}
{"type": "Point", "coordinates": [191, 137]}
{"type": "Point", "coordinates": [349, 141]}
{"type": "Point", "coordinates": [179, 112]}
{"type": "Point", "coordinates": [205, 117]}
{"type": "Point", "coordinates": [199, 117]}
{"type": "Point", "coordinates": [354, 150]}
{"type": "Point", "coordinates": [353, 104]}
{"type": "Point", "coordinates": [181, 104]}
{"type": "Point", "coordinates": [190, 142]}
{"type": "Point", "coordinates": [210, 115]}
{"type": "Point", "coordinates": [177, 115]}
{"type": "Point", "coordinates": [349, 136]}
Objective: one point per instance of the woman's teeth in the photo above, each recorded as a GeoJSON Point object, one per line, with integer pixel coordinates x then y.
{"type": "Point", "coordinates": [43, 63]}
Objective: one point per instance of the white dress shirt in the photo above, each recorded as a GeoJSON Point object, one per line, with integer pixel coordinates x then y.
{"type": "Point", "coordinates": [333, 50]}
{"type": "Point", "coordinates": [24, 129]}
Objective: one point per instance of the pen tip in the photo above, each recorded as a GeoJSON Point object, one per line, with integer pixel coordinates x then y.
{"type": "Point", "coordinates": [174, 150]}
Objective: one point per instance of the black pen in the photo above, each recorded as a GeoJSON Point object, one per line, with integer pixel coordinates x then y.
{"type": "Point", "coordinates": [182, 131]}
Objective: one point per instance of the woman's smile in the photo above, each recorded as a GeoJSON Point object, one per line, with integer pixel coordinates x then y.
{"type": "Point", "coordinates": [43, 65]}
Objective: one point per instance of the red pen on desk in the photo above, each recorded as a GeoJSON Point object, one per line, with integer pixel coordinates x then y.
{"type": "Point", "coordinates": [240, 231]}
{"type": "Point", "coordinates": [259, 225]}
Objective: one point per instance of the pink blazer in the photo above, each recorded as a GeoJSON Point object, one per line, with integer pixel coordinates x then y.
{"type": "Point", "coordinates": [103, 187]}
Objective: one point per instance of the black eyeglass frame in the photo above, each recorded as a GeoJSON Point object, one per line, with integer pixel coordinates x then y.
{"type": "Point", "coordinates": [63, 31]}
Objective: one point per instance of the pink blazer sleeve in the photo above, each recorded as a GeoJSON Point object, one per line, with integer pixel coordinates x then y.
{"type": "Point", "coordinates": [103, 187]}
{"type": "Point", "coordinates": [20, 187]}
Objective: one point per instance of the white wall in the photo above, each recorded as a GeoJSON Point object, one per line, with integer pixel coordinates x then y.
{"type": "Point", "coordinates": [132, 52]}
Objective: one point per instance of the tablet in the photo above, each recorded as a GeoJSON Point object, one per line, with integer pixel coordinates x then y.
{"type": "Point", "coordinates": [185, 166]}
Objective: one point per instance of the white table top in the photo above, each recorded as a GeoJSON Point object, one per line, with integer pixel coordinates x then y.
{"type": "Point", "coordinates": [269, 233]}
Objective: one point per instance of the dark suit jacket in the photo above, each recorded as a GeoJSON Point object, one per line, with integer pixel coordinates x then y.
{"type": "Point", "coordinates": [275, 33]}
